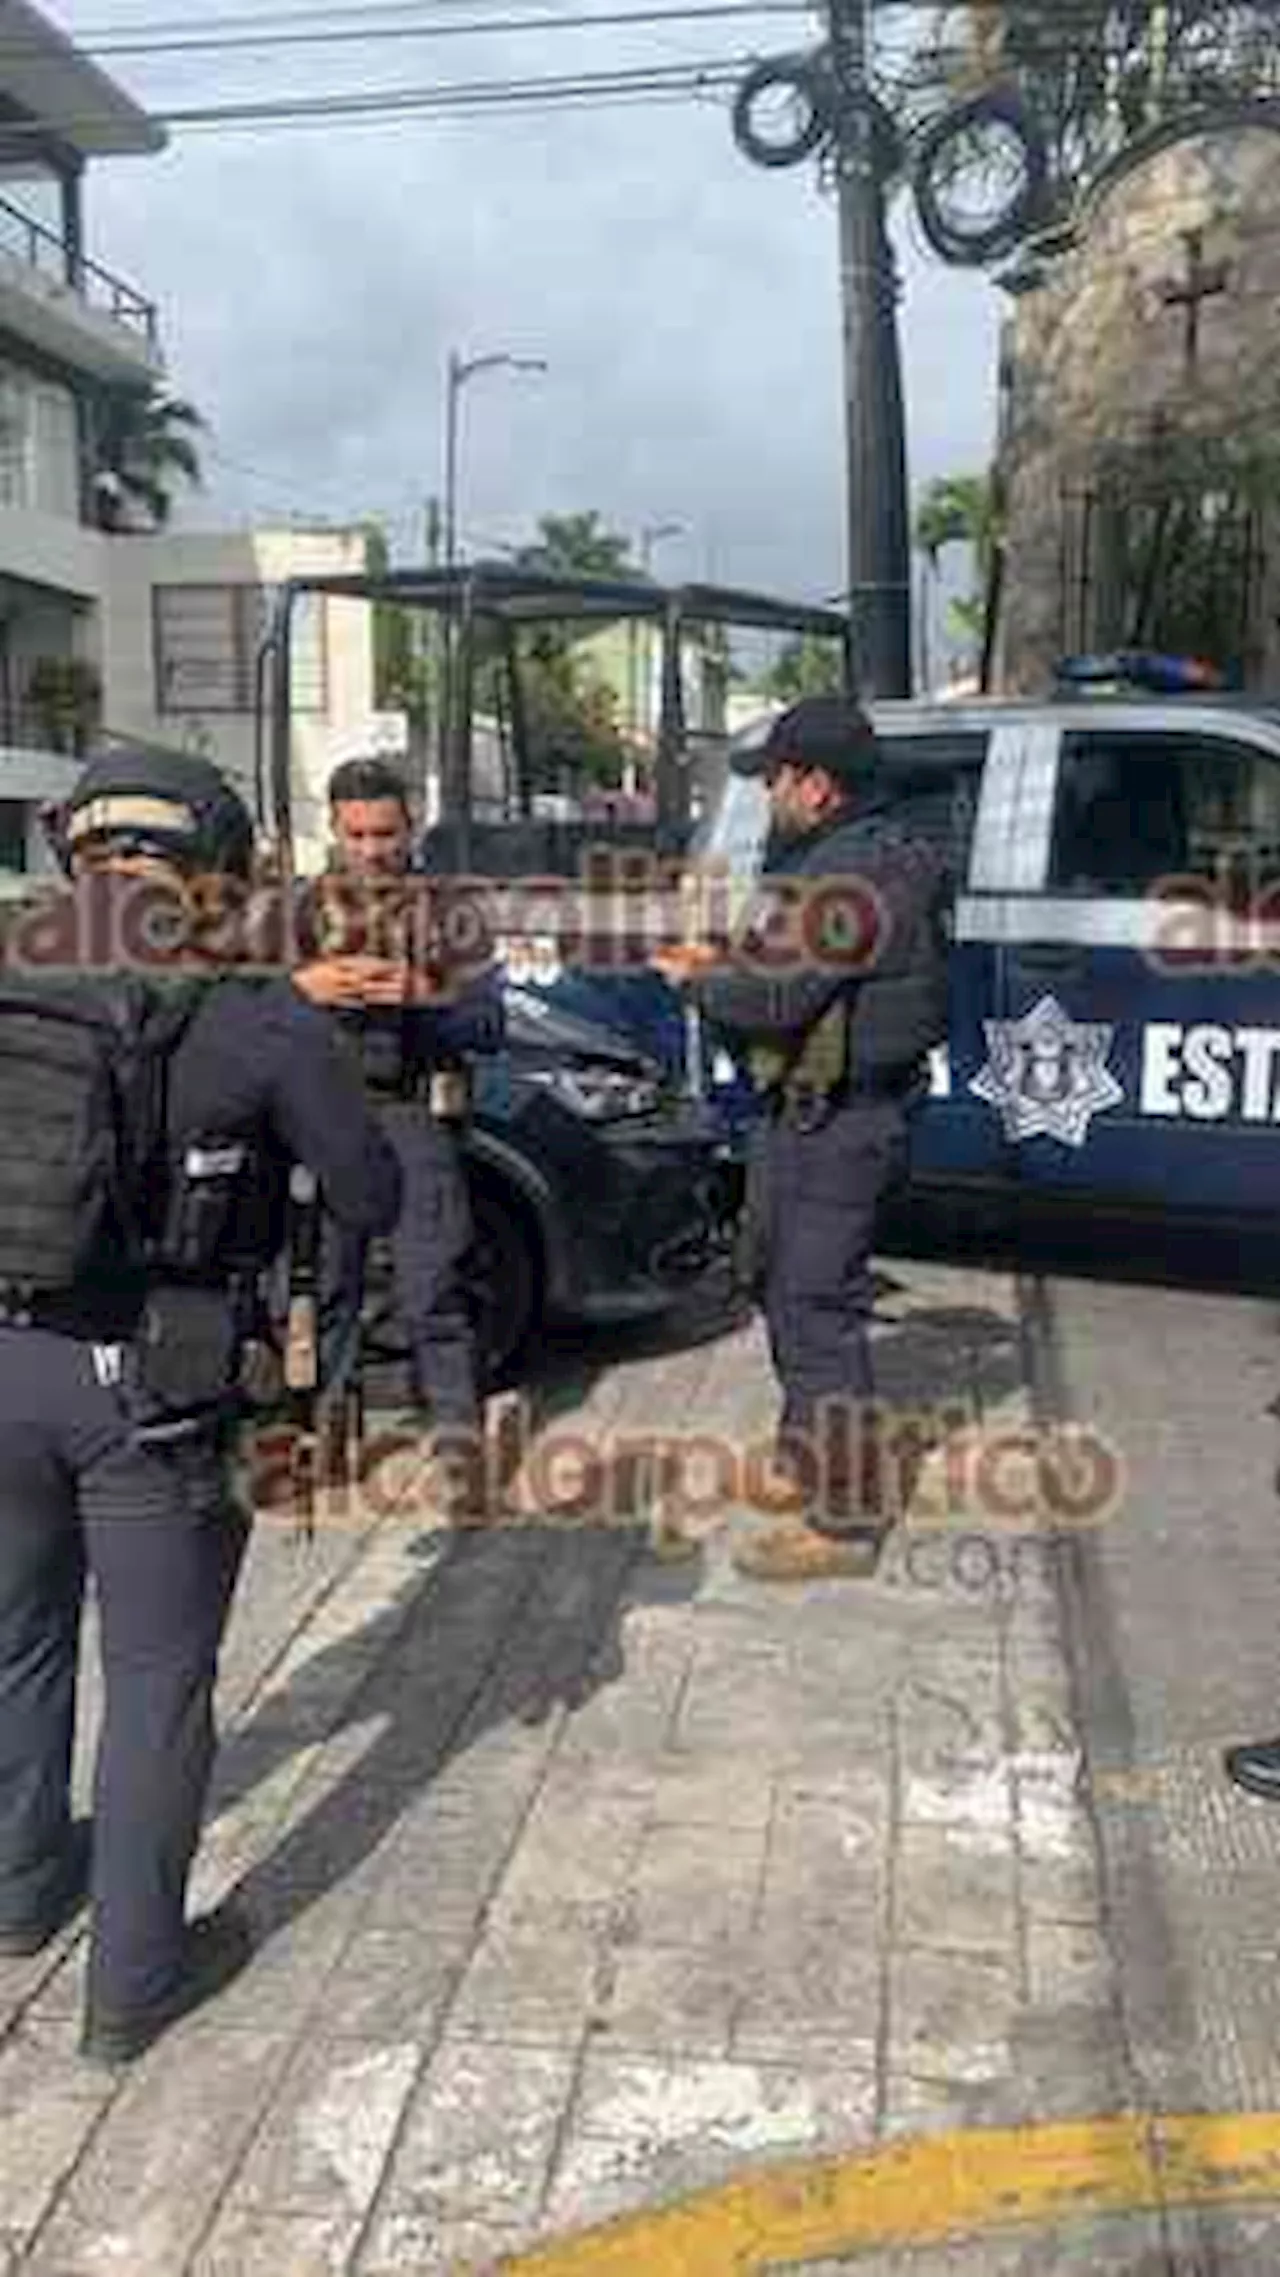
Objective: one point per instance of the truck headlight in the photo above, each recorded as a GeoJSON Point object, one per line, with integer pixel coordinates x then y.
{"type": "Point", "coordinates": [602, 1094]}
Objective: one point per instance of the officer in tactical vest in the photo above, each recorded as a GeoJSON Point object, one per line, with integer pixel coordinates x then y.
{"type": "Point", "coordinates": [835, 995]}
{"type": "Point", "coordinates": [119, 1400]}
{"type": "Point", "coordinates": [414, 1033]}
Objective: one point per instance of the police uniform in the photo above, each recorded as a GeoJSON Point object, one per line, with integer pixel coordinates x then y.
{"type": "Point", "coordinates": [402, 1054]}
{"type": "Point", "coordinates": [836, 1031]}
{"type": "Point", "coordinates": [94, 1482]}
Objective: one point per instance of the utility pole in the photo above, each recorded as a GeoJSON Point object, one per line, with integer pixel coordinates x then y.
{"type": "Point", "coordinates": [879, 549]}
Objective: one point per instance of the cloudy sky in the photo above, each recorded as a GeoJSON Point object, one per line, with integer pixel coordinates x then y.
{"type": "Point", "coordinates": [312, 282]}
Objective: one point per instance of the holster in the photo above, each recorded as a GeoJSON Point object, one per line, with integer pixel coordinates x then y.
{"type": "Point", "coordinates": [188, 1349]}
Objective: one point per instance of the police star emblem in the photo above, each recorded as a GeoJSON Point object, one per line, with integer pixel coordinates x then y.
{"type": "Point", "coordinates": [1046, 1074]}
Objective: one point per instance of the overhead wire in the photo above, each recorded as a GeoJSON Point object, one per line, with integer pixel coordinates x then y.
{"type": "Point", "coordinates": [205, 41]}
{"type": "Point", "coordinates": [654, 82]}
{"type": "Point", "coordinates": [390, 13]}
{"type": "Point", "coordinates": [408, 20]}
{"type": "Point", "coordinates": [650, 81]}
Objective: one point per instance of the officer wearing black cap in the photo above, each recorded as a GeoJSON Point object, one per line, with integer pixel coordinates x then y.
{"type": "Point", "coordinates": [835, 994]}
{"type": "Point", "coordinates": [116, 1414]}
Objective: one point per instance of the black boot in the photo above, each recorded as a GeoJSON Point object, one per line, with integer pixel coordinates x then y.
{"type": "Point", "coordinates": [21, 1940]}
{"type": "Point", "coordinates": [1256, 1767]}
{"type": "Point", "coordinates": [218, 1946]}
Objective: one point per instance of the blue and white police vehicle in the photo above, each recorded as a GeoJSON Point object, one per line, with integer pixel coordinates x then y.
{"type": "Point", "coordinates": [1115, 972]}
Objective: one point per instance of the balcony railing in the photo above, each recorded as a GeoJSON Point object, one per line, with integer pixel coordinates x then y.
{"type": "Point", "coordinates": [39, 247]}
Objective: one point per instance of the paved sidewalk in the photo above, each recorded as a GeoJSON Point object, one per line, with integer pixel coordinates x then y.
{"type": "Point", "coordinates": [585, 1881]}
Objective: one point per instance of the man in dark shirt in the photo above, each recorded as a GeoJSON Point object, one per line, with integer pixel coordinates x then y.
{"type": "Point", "coordinates": [113, 1460]}
{"type": "Point", "coordinates": [413, 1026]}
{"type": "Point", "coordinates": [835, 995]}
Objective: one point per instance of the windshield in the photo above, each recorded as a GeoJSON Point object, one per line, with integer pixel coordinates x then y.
{"type": "Point", "coordinates": [735, 832]}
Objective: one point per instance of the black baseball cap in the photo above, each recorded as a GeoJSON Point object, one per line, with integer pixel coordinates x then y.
{"type": "Point", "coordinates": [830, 732]}
{"type": "Point", "coordinates": [144, 799]}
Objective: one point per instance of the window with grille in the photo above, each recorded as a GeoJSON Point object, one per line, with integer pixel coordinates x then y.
{"type": "Point", "coordinates": [207, 639]}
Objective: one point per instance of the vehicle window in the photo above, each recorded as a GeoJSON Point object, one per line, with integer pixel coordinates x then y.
{"type": "Point", "coordinates": [736, 831]}
{"type": "Point", "coordinates": [937, 799]}
{"type": "Point", "coordinates": [1135, 808]}
{"type": "Point", "coordinates": [940, 779]}
{"type": "Point", "coordinates": [13, 835]}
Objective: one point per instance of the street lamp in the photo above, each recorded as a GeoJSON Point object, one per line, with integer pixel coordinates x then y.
{"type": "Point", "coordinates": [651, 536]}
{"type": "Point", "coordinates": [461, 370]}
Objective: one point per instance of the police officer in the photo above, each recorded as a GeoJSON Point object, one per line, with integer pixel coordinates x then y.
{"type": "Point", "coordinates": [413, 1035]}
{"type": "Point", "coordinates": [101, 1470]}
{"type": "Point", "coordinates": [835, 1006]}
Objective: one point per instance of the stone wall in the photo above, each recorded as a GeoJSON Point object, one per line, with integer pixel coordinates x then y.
{"type": "Point", "coordinates": [1094, 358]}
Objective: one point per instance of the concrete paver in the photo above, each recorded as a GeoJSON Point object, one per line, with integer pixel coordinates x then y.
{"type": "Point", "coordinates": [584, 1881]}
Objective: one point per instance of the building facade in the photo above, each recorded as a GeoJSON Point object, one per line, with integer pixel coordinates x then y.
{"type": "Point", "coordinates": [154, 636]}
{"type": "Point", "coordinates": [1140, 417]}
{"type": "Point", "coordinates": [70, 334]}
{"type": "Point", "coordinates": [181, 622]}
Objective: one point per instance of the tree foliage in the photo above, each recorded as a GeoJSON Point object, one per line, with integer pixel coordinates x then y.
{"type": "Point", "coordinates": [144, 451]}
{"type": "Point", "coordinates": [1096, 73]}
{"type": "Point", "coordinates": [962, 509]}
{"type": "Point", "coordinates": [570, 715]}
{"type": "Point", "coordinates": [1179, 544]}
{"type": "Point", "coordinates": [577, 545]}
{"type": "Point", "coordinates": [804, 667]}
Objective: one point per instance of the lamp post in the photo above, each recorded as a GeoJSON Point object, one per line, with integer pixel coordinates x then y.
{"type": "Point", "coordinates": [461, 370]}
{"type": "Point", "coordinates": [651, 536]}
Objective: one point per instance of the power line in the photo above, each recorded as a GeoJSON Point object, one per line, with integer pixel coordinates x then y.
{"type": "Point", "coordinates": [653, 82]}
{"type": "Point", "coordinates": [299, 19]}
{"type": "Point", "coordinates": [385, 16]}
{"type": "Point", "coordinates": [205, 42]}
{"type": "Point", "coordinates": [477, 94]}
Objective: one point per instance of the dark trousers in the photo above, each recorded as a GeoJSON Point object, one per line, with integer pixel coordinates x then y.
{"type": "Point", "coordinates": [162, 1541]}
{"type": "Point", "coordinates": [430, 1250]}
{"type": "Point", "coordinates": [815, 1190]}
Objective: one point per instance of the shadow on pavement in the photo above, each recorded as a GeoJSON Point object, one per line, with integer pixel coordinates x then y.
{"type": "Point", "coordinates": [1109, 1245]}
{"type": "Point", "coordinates": [508, 1627]}
{"type": "Point", "coordinates": [517, 1622]}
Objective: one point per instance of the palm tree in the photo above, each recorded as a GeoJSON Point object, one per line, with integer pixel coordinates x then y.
{"type": "Point", "coordinates": [962, 509]}
{"type": "Point", "coordinates": [957, 509]}
{"type": "Point", "coordinates": [143, 450]}
{"type": "Point", "coordinates": [576, 545]}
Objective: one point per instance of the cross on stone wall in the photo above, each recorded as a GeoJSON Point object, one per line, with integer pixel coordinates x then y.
{"type": "Point", "coordinates": [1202, 283]}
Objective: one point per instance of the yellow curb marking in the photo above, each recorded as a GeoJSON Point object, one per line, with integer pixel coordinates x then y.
{"type": "Point", "coordinates": [926, 2190]}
